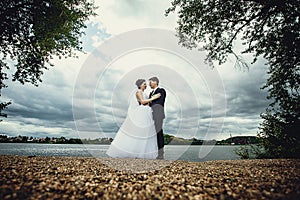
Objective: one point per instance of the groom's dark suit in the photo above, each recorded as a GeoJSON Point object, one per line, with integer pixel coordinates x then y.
{"type": "Point", "coordinates": [157, 106]}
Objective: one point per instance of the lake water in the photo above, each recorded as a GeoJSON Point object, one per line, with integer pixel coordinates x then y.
{"type": "Point", "coordinates": [172, 152]}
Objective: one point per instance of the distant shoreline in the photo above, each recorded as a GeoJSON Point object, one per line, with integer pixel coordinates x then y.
{"type": "Point", "coordinates": [109, 144]}
{"type": "Point", "coordinates": [169, 139]}
{"type": "Point", "coordinates": [40, 177]}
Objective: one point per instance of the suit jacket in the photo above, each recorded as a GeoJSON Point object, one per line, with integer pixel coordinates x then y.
{"type": "Point", "coordinates": [157, 105]}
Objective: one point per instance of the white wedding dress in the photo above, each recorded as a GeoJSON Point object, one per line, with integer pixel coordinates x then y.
{"type": "Point", "coordinates": [136, 137]}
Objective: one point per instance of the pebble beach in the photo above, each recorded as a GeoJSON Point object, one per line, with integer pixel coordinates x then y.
{"type": "Point", "coordinates": [38, 177]}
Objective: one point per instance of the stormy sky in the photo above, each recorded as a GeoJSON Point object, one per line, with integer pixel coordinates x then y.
{"type": "Point", "coordinates": [87, 97]}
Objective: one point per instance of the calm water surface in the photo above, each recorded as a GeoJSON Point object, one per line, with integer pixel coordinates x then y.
{"type": "Point", "coordinates": [172, 152]}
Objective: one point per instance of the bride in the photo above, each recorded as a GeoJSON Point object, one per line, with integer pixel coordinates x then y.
{"type": "Point", "coordinates": [136, 137]}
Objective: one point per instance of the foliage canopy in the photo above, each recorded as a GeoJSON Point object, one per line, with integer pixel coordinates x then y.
{"type": "Point", "coordinates": [267, 28]}
{"type": "Point", "coordinates": [33, 31]}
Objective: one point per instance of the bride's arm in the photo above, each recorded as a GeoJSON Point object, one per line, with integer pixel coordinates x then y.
{"type": "Point", "coordinates": [140, 99]}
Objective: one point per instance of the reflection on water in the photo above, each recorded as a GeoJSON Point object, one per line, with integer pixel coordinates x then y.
{"type": "Point", "coordinates": [172, 152]}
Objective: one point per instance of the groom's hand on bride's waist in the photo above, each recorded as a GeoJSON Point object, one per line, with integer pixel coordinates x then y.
{"type": "Point", "coordinates": [157, 95]}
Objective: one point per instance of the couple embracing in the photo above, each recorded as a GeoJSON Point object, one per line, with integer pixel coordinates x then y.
{"type": "Point", "coordinates": [141, 134]}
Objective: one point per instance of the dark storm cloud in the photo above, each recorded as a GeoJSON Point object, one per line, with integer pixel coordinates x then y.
{"type": "Point", "coordinates": [245, 96]}
{"type": "Point", "coordinates": [40, 111]}
{"type": "Point", "coordinates": [245, 100]}
{"type": "Point", "coordinates": [45, 103]}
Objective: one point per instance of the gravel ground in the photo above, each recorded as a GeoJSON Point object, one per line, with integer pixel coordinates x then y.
{"type": "Point", "coordinates": [25, 177]}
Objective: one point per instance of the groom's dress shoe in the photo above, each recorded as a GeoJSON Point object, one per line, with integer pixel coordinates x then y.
{"type": "Point", "coordinates": [160, 154]}
{"type": "Point", "coordinates": [160, 157]}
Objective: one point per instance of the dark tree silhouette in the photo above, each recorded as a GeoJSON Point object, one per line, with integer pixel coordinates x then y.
{"type": "Point", "coordinates": [32, 31]}
{"type": "Point", "coordinates": [267, 28]}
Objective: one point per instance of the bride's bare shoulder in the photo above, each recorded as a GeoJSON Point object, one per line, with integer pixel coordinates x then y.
{"type": "Point", "coordinates": [139, 92]}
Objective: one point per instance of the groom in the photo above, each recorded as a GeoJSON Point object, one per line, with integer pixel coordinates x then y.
{"type": "Point", "coordinates": [157, 106]}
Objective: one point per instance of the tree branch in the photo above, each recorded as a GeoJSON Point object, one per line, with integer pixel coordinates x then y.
{"type": "Point", "coordinates": [240, 28]}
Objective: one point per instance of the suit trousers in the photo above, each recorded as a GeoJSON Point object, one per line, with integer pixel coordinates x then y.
{"type": "Point", "coordinates": [160, 136]}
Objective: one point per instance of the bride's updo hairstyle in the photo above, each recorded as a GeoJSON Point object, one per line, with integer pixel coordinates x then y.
{"type": "Point", "coordinates": [139, 82]}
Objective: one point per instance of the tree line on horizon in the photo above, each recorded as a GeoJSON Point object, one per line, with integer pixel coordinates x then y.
{"type": "Point", "coordinates": [168, 139]}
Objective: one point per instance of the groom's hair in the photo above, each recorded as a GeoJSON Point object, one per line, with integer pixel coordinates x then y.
{"type": "Point", "coordinates": [154, 79]}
